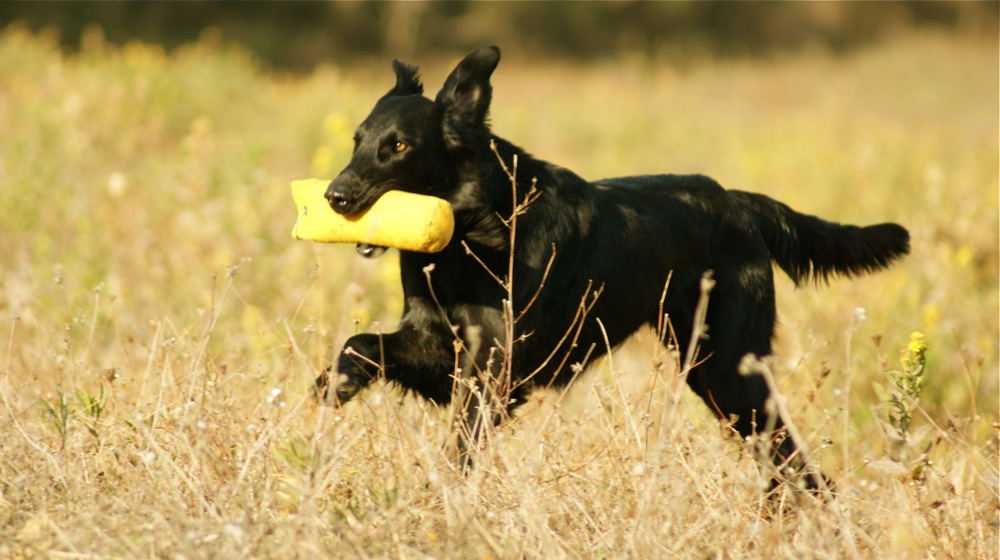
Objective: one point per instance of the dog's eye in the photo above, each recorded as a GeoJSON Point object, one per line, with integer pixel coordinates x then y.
{"type": "Point", "coordinates": [400, 147]}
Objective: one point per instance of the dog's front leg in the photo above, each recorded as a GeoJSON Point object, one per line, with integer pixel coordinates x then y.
{"type": "Point", "coordinates": [359, 363]}
{"type": "Point", "coordinates": [418, 359]}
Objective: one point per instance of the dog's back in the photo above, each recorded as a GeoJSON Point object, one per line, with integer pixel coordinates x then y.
{"type": "Point", "coordinates": [804, 246]}
{"type": "Point", "coordinates": [627, 235]}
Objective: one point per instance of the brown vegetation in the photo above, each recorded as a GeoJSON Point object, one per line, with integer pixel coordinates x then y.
{"type": "Point", "coordinates": [160, 328]}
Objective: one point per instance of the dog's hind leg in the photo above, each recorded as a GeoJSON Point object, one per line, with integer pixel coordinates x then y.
{"type": "Point", "coordinates": [740, 318]}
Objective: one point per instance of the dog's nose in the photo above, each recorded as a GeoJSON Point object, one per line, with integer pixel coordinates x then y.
{"type": "Point", "coordinates": [337, 197]}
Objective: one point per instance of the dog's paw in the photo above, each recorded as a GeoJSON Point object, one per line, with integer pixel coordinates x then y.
{"type": "Point", "coordinates": [321, 387]}
{"type": "Point", "coordinates": [343, 387]}
{"type": "Point", "coordinates": [817, 484]}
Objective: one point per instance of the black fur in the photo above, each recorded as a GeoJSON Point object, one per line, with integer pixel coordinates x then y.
{"type": "Point", "coordinates": [621, 237]}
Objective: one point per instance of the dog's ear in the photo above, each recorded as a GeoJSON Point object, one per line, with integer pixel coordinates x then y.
{"type": "Point", "coordinates": [466, 93]}
{"type": "Point", "coordinates": [407, 80]}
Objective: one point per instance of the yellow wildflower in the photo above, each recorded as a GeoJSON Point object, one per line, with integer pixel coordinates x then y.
{"type": "Point", "coordinates": [917, 344]}
{"type": "Point", "coordinates": [963, 256]}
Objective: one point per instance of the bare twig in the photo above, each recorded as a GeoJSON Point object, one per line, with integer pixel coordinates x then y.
{"type": "Point", "coordinates": [661, 319]}
{"type": "Point", "coordinates": [468, 251]}
{"type": "Point", "coordinates": [582, 310]}
{"type": "Point", "coordinates": [541, 284]}
{"type": "Point", "coordinates": [698, 329]}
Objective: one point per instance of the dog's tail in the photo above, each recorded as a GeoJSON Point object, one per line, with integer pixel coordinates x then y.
{"type": "Point", "coordinates": [809, 247]}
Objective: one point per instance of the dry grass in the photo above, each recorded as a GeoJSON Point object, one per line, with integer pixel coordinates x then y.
{"type": "Point", "coordinates": [160, 329]}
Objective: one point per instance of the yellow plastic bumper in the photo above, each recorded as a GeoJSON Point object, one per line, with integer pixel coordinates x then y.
{"type": "Point", "coordinates": [407, 221]}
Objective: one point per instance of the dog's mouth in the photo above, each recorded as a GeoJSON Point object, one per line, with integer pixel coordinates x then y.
{"type": "Point", "coordinates": [351, 208]}
{"type": "Point", "coordinates": [369, 251]}
{"type": "Point", "coordinates": [351, 203]}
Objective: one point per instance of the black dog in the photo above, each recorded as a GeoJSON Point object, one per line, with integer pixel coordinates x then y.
{"type": "Point", "coordinates": [586, 267]}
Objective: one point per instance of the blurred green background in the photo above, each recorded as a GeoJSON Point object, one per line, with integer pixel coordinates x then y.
{"type": "Point", "coordinates": [300, 35]}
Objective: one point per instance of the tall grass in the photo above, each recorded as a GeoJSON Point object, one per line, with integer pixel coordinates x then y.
{"type": "Point", "coordinates": [160, 328]}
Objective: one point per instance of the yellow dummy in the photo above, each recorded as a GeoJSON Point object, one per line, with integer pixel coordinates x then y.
{"type": "Point", "coordinates": [406, 221]}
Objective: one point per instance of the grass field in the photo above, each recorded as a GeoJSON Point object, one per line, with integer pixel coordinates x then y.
{"type": "Point", "coordinates": [159, 328]}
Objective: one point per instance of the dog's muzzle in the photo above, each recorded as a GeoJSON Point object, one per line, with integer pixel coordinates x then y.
{"type": "Point", "coordinates": [337, 197]}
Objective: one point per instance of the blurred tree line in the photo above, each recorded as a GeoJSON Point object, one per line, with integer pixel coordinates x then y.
{"type": "Point", "coordinates": [299, 35]}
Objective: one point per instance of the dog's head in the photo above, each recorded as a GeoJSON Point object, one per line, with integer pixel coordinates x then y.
{"type": "Point", "coordinates": [410, 143]}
